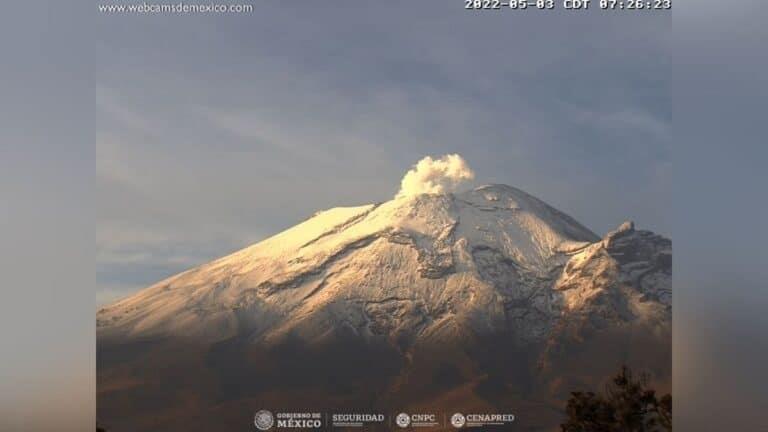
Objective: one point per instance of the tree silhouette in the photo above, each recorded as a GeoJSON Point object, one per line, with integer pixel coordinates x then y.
{"type": "Point", "coordinates": [626, 405]}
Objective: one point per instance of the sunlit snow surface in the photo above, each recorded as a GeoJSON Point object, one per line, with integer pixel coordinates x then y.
{"type": "Point", "coordinates": [417, 269]}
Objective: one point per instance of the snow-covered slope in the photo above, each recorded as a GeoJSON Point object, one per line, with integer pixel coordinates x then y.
{"type": "Point", "coordinates": [414, 270]}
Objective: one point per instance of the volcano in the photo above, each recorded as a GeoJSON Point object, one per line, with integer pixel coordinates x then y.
{"type": "Point", "coordinates": [488, 299]}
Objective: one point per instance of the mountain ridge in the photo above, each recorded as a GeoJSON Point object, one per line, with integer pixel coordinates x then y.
{"type": "Point", "coordinates": [493, 241]}
{"type": "Point", "coordinates": [485, 299]}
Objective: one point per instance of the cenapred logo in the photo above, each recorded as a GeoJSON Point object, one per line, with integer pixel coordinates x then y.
{"type": "Point", "coordinates": [483, 420]}
{"type": "Point", "coordinates": [263, 420]}
{"type": "Point", "coordinates": [403, 420]}
{"type": "Point", "coordinates": [458, 420]}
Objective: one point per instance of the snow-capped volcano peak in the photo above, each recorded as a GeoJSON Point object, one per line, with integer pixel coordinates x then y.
{"type": "Point", "coordinates": [459, 253]}
{"type": "Point", "coordinates": [429, 265]}
{"type": "Point", "coordinates": [495, 216]}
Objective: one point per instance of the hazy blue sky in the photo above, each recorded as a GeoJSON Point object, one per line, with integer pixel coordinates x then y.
{"type": "Point", "coordinates": [213, 132]}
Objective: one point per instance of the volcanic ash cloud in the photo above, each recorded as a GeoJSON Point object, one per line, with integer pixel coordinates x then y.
{"type": "Point", "coordinates": [434, 176]}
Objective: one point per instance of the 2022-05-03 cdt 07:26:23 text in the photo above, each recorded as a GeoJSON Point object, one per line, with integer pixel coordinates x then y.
{"type": "Point", "coordinates": [611, 5]}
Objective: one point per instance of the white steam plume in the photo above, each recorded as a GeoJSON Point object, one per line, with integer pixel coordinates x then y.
{"type": "Point", "coordinates": [441, 175]}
